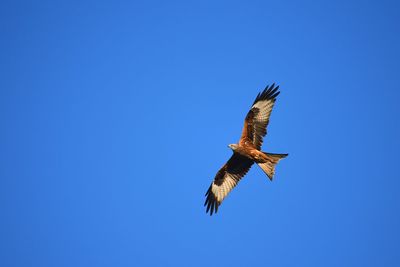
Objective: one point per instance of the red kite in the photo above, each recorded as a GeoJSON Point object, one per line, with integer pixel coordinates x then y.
{"type": "Point", "coordinates": [247, 151]}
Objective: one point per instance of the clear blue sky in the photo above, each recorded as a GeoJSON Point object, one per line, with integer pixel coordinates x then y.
{"type": "Point", "coordinates": [115, 117]}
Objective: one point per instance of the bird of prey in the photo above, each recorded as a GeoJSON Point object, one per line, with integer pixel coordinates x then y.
{"type": "Point", "coordinates": [247, 151]}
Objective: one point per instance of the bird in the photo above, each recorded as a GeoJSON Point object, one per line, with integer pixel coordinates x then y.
{"type": "Point", "coordinates": [247, 151]}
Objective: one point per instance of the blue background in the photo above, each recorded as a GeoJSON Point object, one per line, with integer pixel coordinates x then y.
{"type": "Point", "coordinates": [115, 117]}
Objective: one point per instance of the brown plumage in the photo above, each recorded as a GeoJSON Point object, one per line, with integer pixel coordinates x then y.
{"type": "Point", "coordinates": [247, 151]}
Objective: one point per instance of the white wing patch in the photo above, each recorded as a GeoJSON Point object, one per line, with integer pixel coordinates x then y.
{"type": "Point", "coordinates": [265, 108]}
{"type": "Point", "coordinates": [221, 191]}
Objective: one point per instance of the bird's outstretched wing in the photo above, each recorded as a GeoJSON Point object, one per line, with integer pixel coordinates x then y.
{"type": "Point", "coordinates": [225, 180]}
{"type": "Point", "coordinates": [256, 122]}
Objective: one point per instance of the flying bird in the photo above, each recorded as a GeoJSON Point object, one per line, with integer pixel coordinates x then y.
{"type": "Point", "coordinates": [247, 151]}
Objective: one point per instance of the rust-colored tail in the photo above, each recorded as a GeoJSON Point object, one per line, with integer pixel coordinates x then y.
{"type": "Point", "coordinates": [269, 166]}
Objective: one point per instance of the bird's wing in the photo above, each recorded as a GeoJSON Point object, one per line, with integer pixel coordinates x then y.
{"type": "Point", "coordinates": [256, 122]}
{"type": "Point", "coordinates": [225, 180]}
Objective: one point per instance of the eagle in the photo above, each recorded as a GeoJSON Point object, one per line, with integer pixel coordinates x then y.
{"type": "Point", "coordinates": [247, 151]}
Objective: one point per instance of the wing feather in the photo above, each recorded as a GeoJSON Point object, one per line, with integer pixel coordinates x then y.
{"type": "Point", "coordinates": [225, 180]}
{"type": "Point", "coordinates": [257, 119]}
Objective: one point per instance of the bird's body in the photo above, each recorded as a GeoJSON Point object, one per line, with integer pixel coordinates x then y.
{"type": "Point", "coordinates": [247, 151]}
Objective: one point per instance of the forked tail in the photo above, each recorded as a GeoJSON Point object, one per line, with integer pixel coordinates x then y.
{"type": "Point", "coordinates": [269, 166]}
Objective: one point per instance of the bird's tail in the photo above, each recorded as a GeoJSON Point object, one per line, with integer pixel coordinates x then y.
{"type": "Point", "coordinates": [269, 165]}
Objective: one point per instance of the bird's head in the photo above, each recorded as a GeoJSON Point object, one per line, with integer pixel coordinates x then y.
{"type": "Point", "coordinates": [233, 146]}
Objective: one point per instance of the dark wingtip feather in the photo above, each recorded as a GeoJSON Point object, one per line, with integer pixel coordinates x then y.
{"type": "Point", "coordinates": [273, 85]}
{"type": "Point", "coordinates": [208, 205]}
{"type": "Point", "coordinates": [270, 92]}
{"type": "Point", "coordinates": [208, 191]}
{"type": "Point", "coordinates": [211, 203]}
